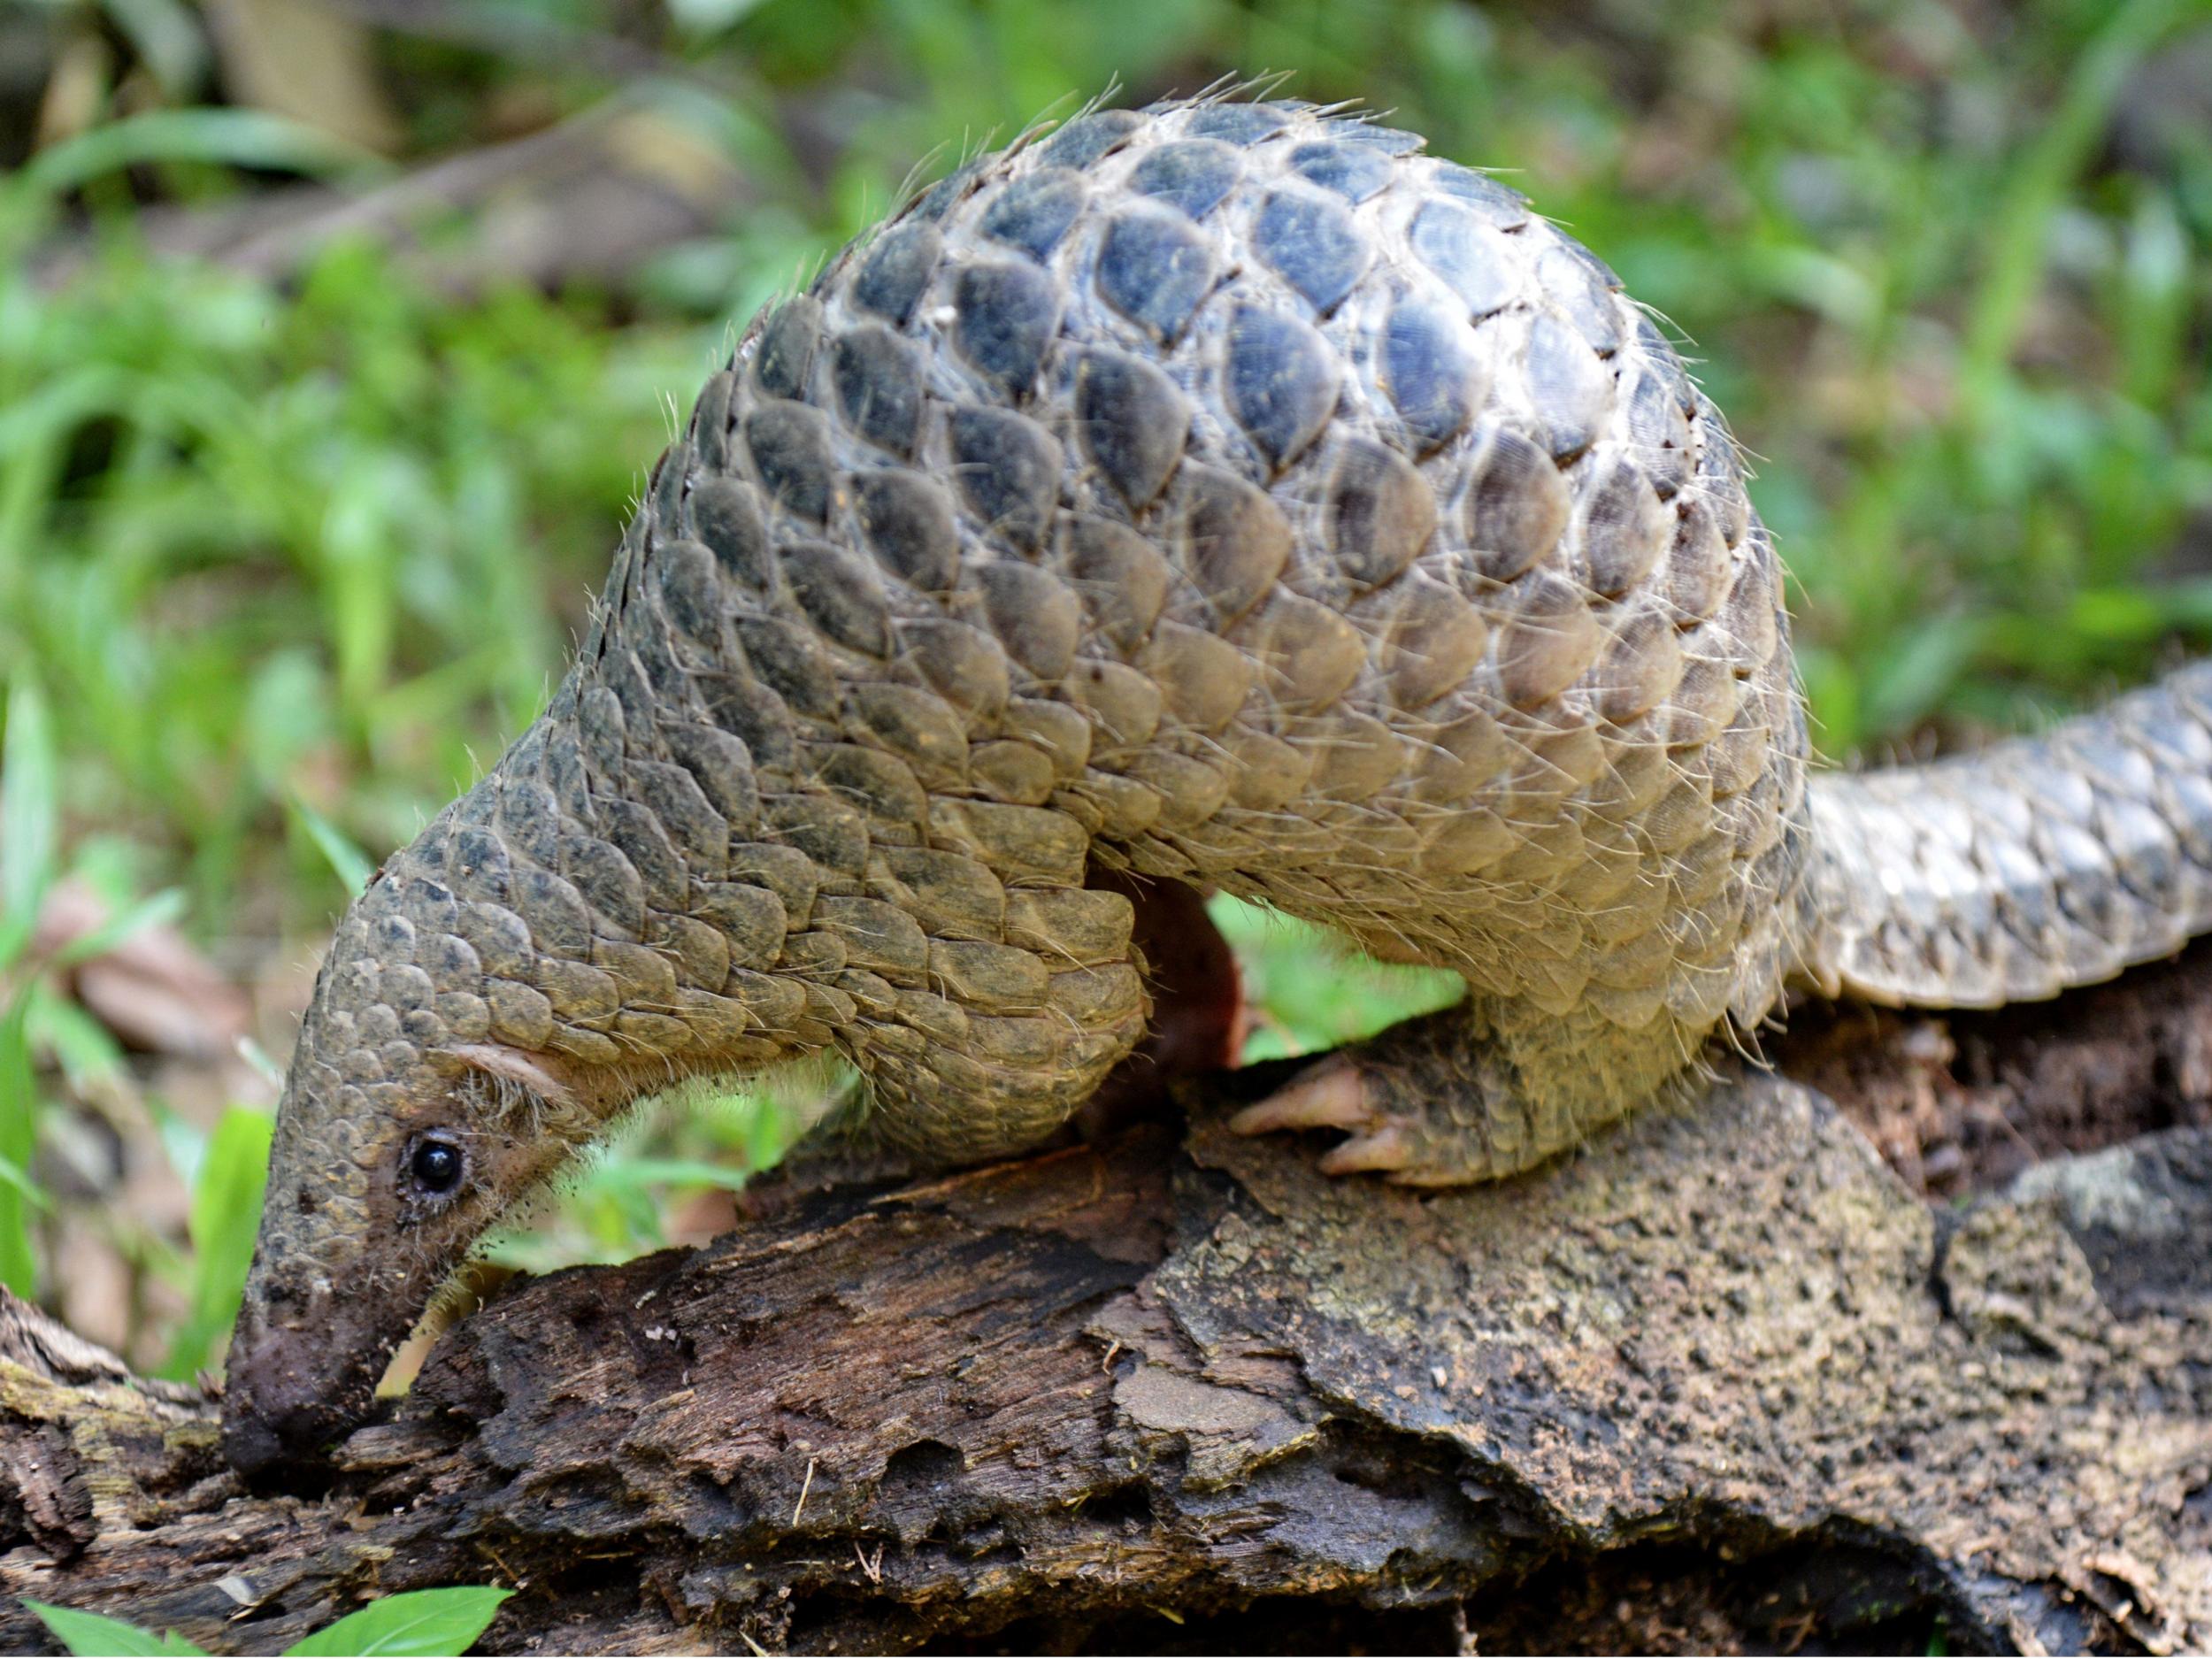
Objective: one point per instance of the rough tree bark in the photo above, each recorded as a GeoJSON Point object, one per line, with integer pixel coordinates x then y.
{"type": "Point", "coordinates": [1724, 1380]}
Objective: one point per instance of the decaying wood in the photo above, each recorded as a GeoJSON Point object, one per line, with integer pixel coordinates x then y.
{"type": "Point", "coordinates": [1723, 1381]}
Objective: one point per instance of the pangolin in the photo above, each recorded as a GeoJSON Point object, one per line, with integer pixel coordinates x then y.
{"type": "Point", "coordinates": [1224, 493]}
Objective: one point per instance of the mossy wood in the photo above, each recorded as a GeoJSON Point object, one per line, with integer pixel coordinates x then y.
{"type": "Point", "coordinates": [1181, 1390]}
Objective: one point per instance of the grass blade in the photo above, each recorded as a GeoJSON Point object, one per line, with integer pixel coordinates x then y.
{"type": "Point", "coordinates": [30, 816]}
{"type": "Point", "coordinates": [227, 1187]}
{"type": "Point", "coordinates": [237, 138]}
{"type": "Point", "coordinates": [2063, 147]}
{"type": "Point", "coordinates": [353, 865]}
{"type": "Point", "coordinates": [18, 1138]}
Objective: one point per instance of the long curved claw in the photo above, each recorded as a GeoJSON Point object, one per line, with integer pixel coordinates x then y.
{"type": "Point", "coordinates": [1335, 1095]}
{"type": "Point", "coordinates": [1385, 1150]}
{"type": "Point", "coordinates": [1330, 1095]}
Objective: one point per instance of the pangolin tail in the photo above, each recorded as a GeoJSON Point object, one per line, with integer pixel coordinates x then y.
{"type": "Point", "coordinates": [2012, 874]}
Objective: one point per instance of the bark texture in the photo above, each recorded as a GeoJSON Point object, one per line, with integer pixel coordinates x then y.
{"type": "Point", "coordinates": [1723, 1380]}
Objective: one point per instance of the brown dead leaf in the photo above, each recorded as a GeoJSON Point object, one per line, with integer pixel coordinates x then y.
{"type": "Point", "coordinates": [306, 60]}
{"type": "Point", "coordinates": [153, 989]}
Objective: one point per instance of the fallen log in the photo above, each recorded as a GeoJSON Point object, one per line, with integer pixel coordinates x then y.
{"type": "Point", "coordinates": [1723, 1380]}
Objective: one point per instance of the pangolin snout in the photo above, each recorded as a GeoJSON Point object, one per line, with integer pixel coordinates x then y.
{"type": "Point", "coordinates": [291, 1393]}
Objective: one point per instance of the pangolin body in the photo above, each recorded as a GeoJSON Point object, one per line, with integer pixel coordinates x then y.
{"type": "Point", "coordinates": [1224, 493]}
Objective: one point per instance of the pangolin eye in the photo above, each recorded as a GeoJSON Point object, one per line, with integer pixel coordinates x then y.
{"type": "Point", "coordinates": [436, 1165]}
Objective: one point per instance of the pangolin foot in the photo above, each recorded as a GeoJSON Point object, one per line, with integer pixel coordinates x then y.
{"type": "Point", "coordinates": [1345, 1094]}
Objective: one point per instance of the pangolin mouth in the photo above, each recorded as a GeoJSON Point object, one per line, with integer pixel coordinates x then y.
{"type": "Point", "coordinates": [304, 1377]}
{"type": "Point", "coordinates": [292, 1393]}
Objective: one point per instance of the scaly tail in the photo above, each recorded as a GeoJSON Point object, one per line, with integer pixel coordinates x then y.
{"type": "Point", "coordinates": [2011, 874]}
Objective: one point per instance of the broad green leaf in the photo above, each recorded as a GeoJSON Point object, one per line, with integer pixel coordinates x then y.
{"type": "Point", "coordinates": [96, 1634]}
{"type": "Point", "coordinates": [60, 404]}
{"type": "Point", "coordinates": [709, 17]}
{"type": "Point", "coordinates": [428, 1621]}
{"type": "Point", "coordinates": [1922, 665]}
{"type": "Point", "coordinates": [364, 529]}
{"type": "Point", "coordinates": [1314, 992]}
{"type": "Point", "coordinates": [184, 1143]}
{"type": "Point", "coordinates": [256, 1057]}
{"type": "Point", "coordinates": [2153, 320]}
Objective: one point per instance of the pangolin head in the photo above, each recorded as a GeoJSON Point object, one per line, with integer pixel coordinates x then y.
{"type": "Point", "coordinates": [405, 1130]}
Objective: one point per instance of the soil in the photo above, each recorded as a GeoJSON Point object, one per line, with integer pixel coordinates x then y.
{"type": "Point", "coordinates": [1964, 1102]}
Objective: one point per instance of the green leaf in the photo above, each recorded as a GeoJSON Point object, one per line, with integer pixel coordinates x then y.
{"type": "Point", "coordinates": [18, 1136]}
{"type": "Point", "coordinates": [55, 1025]}
{"type": "Point", "coordinates": [256, 1057]}
{"type": "Point", "coordinates": [226, 1192]}
{"type": "Point", "coordinates": [30, 811]}
{"type": "Point", "coordinates": [1918, 669]}
{"type": "Point", "coordinates": [12, 1177]}
{"type": "Point", "coordinates": [96, 1634]}
{"type": "Point", "coordinates": [709, 17]}
{"type": "Point", "coordinates": [353, 865]}
{"type": "Point", "coordinates": [2066, 139]}
{"type": "Point", "coordinates": [183, 1143]}
{"type": "Point", "coordinates": [433, 1622]}
{"type": "Point", "coordinates": [1310, 991]}
{"type": "Point", "coordinates": [626, 1171]}
{"type": "Point", "coordinates": [168, 39]}
{"type": "Point", "coordinates": [239, 138]}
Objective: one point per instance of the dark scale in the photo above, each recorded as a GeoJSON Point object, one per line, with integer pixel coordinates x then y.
{"type": "Point", "coordinates": [1352, 172]}
{"type": "Point", "coordinates": [1429, 373]}
{"type": "Point", "coordinates": [1237, 123]}
{"type": "Point", "coordinates": [1134, 421]}
{"type": "Point", "coordinates": [1032, 213]}
{"type": "Point", "coordinates": [1470, 255]}
{"type": "Point", "coordinates": [1009, 469]}
{"type": "Point", "coordinates": [1312, 243]}
{"type": "Point", "coordinates": [907, 522]}
{"type": "Point", "coordinates": [896, 269]}
{"type": "Point", "coordinates": [1282, 382]}
{"type": "Point", "coordinates": [1192, 176]}
{"type": "Point", "coordinates": [1154, 267]}
{"type": "Point", "coordinates": [1007, 315]}
{"type": "Point", "coordinates": [878, 386]}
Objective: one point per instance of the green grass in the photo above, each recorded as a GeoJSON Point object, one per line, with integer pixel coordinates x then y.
{"type": "Point", "coordinates": [281, 566]}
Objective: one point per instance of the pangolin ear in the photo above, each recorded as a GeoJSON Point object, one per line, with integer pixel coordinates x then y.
{"type": "Point", "coordinates": [517, 1069]}
{"type": "Point", "coordinates": [518, 1089]}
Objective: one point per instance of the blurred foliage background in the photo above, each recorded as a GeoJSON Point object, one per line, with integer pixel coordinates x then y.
{"type": "Point", "coordinates": [336, 335]}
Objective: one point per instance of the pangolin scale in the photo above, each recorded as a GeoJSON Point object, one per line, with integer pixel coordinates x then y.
{"type": "Point", "coordinates": [1224, 493]}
